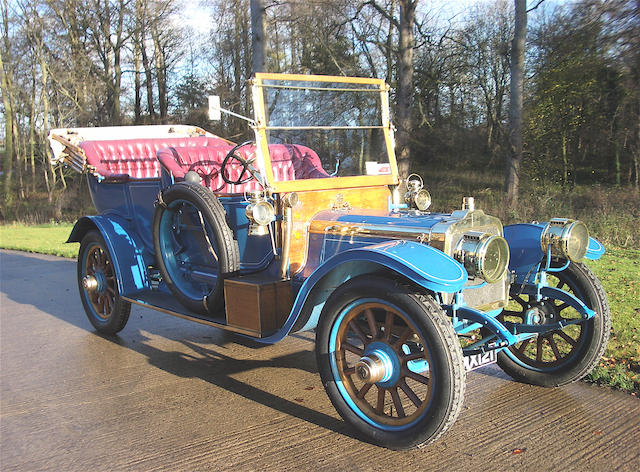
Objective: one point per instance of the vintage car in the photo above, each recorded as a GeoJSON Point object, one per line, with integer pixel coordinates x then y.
{"type": "Point", "coordinates": [308, 227]}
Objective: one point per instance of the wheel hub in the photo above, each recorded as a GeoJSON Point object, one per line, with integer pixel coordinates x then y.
{"type": "Point", "coordinates": [371, 369]}
{"type": "Point", "coordinates": [93, 283]}
{"type": "Point", "coordinates": [542, 313]}
{"type": "Point", "coordinates": [379, 365]}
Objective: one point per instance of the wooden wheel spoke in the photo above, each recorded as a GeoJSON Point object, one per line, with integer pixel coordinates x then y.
{"type": "Point", "coordinates": [388, 326]}
{"type": "Point", "coordinates": [520, 301]}
{"type": "Point", "coordinates": [380, 400]}
{"type": "Point", "coordinates": [356, 329]}
{"type": "Point", "coordinates": [519, 314]}
{"type": "Point", "coordinates": [539, 349]}
{"type": "Point", "coordinates": [403, 337]}
{"type": "Point", "coordinates": [523, 346]}
{"type": "Point", "coordinates": [567, 338]}
{"type": "Point", "coordinates": [93, 261]}
{"type": "Point", "coordinates": [363, 391]}
{"type": "Point", "coordinates": [99, 258]}
{"type": "Point", "coordinates": [397, 403]}
{"type": "Point", "coordinates": [554, 346]}
{"type": "Point", "coordinates": [417, 377]}
{"type": "Point", "coordinates": [410, 394]}
{"type": "Point", "coordinates": [413, 356]}
{"type": "Point", "coordinates": [371, 319]}
{"type": "Point", "coordinates": [100, 303]}
{"type": "Point", "coordinates": [107, 305]}
{"type": "Point", "coordinates": [349, 370]}
{"type": "Point", "coordinates": [351, 348]}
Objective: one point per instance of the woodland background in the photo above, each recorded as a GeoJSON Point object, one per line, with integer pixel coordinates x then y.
{"type": "Point", "coordinates": [71, 63]}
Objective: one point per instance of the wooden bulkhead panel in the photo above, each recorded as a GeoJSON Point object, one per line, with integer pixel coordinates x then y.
{"type": "Point", "coordinates": [314, 201]}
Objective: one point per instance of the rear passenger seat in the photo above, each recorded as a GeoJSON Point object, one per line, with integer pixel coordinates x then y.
{"type": "Point", "coordinates": [136, 158]}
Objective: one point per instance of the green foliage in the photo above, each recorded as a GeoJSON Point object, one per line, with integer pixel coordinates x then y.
{"type": "Point", "coordinates": [577, 130]}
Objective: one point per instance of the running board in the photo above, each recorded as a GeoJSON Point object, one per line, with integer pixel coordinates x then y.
{"type": "Point", "coordinates": [167, 304]}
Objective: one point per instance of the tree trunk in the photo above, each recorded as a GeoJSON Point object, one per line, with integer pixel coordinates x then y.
{"type": "Point", "coordinates": [258, 43]}
{"type": "Point", "coordinates": [148, 81]}
{"type": "Point", "coordinates": [6, 86]}
{"type": "Point", "coordinates": [405, 85]}
{"type": "Point", "coordinates": [161, 77]}
{"type": "Point", "coordinates": [137, 108]}
{"type": "Point", "coordinates": [514, 156]}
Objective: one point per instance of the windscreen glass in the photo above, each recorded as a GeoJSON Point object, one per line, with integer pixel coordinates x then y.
{"type": "Point", "coordinates": [324, 129]}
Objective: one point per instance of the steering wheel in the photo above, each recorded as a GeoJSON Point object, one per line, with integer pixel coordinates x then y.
{"type": "Point", "coordinates": [246, 166]}
{"type": "Point", "coordinates": [206, 177]}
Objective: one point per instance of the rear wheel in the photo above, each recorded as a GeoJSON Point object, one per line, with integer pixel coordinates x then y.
{"type": "Point", "coordinates": [98, 286]}
{"type": "Point", "coordinates": [560, 356]}
{"type": "Point", "coordinates": [194, 246]}
{"type": "Point", "coordinates": [390, 362]}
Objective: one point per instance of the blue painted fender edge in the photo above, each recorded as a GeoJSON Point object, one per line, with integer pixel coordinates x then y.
{"type": "Point", "coordinates": [125, 251]}
{"type": "Point", "coordinates": [417, 262]}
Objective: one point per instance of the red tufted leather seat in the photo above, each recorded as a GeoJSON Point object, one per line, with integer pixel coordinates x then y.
{"type": "Point", "coordinates": [136, 158]}
{"type": "Point", "coordinates": [289, 162]}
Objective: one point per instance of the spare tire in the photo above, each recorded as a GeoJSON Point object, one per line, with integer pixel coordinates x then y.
{"type": "Point", "coordinates": [194, 246]}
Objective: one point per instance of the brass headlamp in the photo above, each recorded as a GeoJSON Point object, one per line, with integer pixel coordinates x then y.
{"type": "Point", "coordinates": [417, 197]}
{"type": "Point", "coordinates": [483, 255]}
{"type": "Point", "coordinates": [260, 214]}
{"type": "Point", "coordinates": [567, 238]}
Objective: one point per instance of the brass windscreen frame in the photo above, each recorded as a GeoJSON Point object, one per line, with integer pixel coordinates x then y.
{"type": "Point", "coordinates": [261, 129]}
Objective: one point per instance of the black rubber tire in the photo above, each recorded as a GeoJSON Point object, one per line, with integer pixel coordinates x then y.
{"type": "Point", "coordinates": [226, 246]}
{"type": "Point", "coordinates": [446, 355]}
{"type": "Point", "coordinates": [580, 278]}
{"type": "Point", "coordinates": [115, 319]}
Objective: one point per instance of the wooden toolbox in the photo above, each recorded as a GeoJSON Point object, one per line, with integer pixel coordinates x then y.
{"type": "Point", "coordinates": [257, 306]}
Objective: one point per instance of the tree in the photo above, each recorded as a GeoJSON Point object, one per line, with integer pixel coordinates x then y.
{"type": "Point", "coordinates": [404, 25]}
{"type": "Point", "coordinates": [514, 156]}
{"type": "Point", "coordinates": [258, 41]}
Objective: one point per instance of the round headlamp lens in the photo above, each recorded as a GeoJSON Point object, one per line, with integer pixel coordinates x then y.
{"type": "Point", "coordinates": [495, 260]}
{"type": "Point", "coordinates": [576, 240]}
{"type": "Point", "coordinates": [263, 213]}
{"type": "Point", "coordinates": [483, 255]}
{"type": "Point", "coordinates": [422, 199]}
{"type": "Point", "coordinates": [565, 238]}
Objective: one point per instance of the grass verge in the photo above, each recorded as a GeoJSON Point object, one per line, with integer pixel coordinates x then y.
{"type": "Point", "coordinates": [43, 239]}
{"type": "Point", "coordinates": [618, 270]}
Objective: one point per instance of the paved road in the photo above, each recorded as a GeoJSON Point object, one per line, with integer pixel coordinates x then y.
{"type": "Point", "coordinates": [169, 394]}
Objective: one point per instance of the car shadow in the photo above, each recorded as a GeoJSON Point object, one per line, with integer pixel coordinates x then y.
{"type": "Point", "coordinates": [202, 357]}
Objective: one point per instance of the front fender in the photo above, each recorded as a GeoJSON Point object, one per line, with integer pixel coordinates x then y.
{"type": "Point", "coordinates": [525, 249]}
{"type": "Point", "coordinates": [422, 264]}
{"type": "Point", "coordinates": [124, 249]}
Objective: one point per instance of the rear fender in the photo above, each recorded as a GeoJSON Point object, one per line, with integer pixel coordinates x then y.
{"type": "Point", "coordinates": [420, 264]}
{"type": "Point", "coordinates": [125, 251]}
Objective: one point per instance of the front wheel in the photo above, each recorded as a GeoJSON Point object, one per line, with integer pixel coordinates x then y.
{"type": "Point", "coordinates": [390, 362]}
{"type": "Point", "coordinates": [98, 286]}
{"type": "Point", "coordinates": [560, 356]}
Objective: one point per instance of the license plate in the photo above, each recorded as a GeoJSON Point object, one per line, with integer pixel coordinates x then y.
{"type": "Point", "coordinates": [475, 361]}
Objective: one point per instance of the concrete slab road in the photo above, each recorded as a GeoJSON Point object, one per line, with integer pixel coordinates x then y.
{"type": "Point", "coordinates": [169, 394]}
